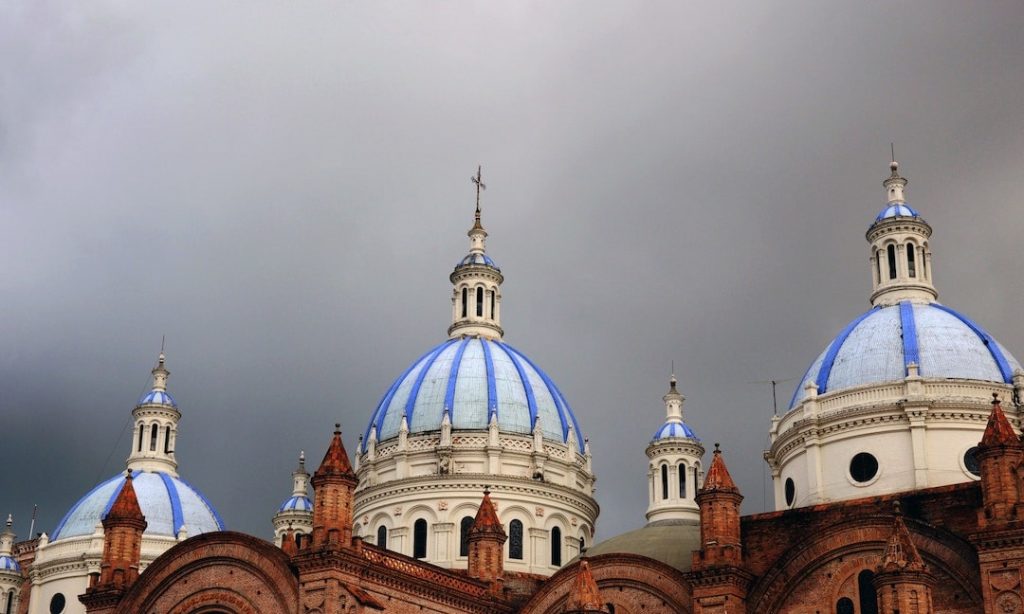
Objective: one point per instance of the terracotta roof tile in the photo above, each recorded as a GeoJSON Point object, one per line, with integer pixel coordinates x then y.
{"type": "Point", "coordinates": [998, 432]}
{"type": "Point", "coordinates": [718, 477]}
{"type": "Point", "coordinates": [126, 505]}
{"type": "Point", "coordinates": [585, 596]}
{"type": "Point", "coordinates": [901, 553]}
{"type": "Point", "coordinates": [336, 461]}
{"type": "Point", "coordinates": [486, 520]}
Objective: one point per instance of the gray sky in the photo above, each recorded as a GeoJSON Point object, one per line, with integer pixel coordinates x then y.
{"type": "Point", "coordinates": [283, 189]}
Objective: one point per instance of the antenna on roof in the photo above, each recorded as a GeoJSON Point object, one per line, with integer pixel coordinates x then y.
{"type": "Point", "coordinates": [892, 150]}
{"type": "Point", "coordinates": [774, 383]}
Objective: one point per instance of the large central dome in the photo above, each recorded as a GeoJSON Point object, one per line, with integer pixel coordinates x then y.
{"type": "Point", "coordinates": [471, 379]}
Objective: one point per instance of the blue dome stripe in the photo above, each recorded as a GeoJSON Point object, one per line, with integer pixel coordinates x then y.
{"type": "Point", "coordinates": [206, 502]}
{"type": "Point", "coordinates": [64, 520]}
{"type": "Point", "coordinates": [910, 351]}
{"type": "Point", "coordinates": [177, 516]}
{"type": "Point", "coordinates": [555, 394]}
{"type": "Point", "coordinates": [531, 400]}
{"type": "Point", "coordinates": [378, 415]}
{"type": "Point", "coordinates": [453, 375]}
{"type": "Point", "coordinates": [411, 401]}
{"type": "Point", "coordinates": [990, 343]}
{"type": "Point", "coordinates": [833, 351]}
{"type": "Point", "coordinates": [492, 389]}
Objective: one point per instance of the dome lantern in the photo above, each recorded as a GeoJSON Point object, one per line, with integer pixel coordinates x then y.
{"type": "Point", "coordinates": [156, 426]}
{"type": "Point", "coordinates": [674, 465]}
{"type": "Point", "coordinates": [900, 256]}
{"type": "Point", "coordinates": [476, 281]}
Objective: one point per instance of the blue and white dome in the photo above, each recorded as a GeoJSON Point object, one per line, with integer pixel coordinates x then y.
{"type": "Point", "coordinates": [8, 564]}
{"type": "Point", "coordinates": [157, 397]}
{"type": "Point", "coordinates": [896, 210]}
{"type": "Point", "coordinates": [472, 378]}
{"type": "Point", "coordinates": [673, 428]}
{"type": "Point", "coordinates": [878, 345]}
{"type": "Point", "coordinates": [167, 502]}
{"type": "Point", "coordinates": [296, 504]}
{"type": "Point", "coordinates": [477, 259]}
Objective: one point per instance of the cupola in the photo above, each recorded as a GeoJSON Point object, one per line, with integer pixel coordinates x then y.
{"type": "Point", "coordinates": [900, 257]}
{"type": "Point", "coordinates": [156, 426]}
{"type": "Point", "coordinates": [674, 465]}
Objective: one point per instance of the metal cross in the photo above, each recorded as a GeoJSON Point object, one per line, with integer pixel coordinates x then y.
{"type": "Point", "coordinates": [479, 186]}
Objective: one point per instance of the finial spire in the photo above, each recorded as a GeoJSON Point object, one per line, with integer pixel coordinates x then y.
{"type": "Point", "coordinates": [480, 185]}
{"type": "Point", "coordinates": [894, 184]}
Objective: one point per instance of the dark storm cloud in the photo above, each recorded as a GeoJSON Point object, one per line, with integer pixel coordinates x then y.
{"type": "Point", "coordinates": [283, 189]}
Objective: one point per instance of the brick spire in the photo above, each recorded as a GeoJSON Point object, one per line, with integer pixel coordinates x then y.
{"type": "Point", "coordinates": [122, 550]}
{"type": "Point", "coordinates": [486, 539]}
{"type": "Point", "coordinates": [1000, 455]}
{"type": "Point", "coordinates": [718, 478]}
{"type": "Point", "coordinates": [333, 484]}
{"type": "Point", "coordinates": [902, 580]}
{"type": "Point", "coordinates": [585, 596]}
{"type": "Point", "coordinates": [999, 432]}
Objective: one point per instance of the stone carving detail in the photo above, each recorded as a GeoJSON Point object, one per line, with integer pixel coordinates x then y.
{"type": "Point", "coordinates": [398, 510]}
{"type": "Point", "coordinates": [442, 505]}
{"type": "Point", "coordinates": [1008, 603]}
{"type": "Point", "coordinates": [539, 511]}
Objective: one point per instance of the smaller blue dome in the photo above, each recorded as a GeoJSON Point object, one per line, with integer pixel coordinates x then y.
{"type": "Point", "coordinates": [297, 504]}
{"type": "Point", "coordinates": [157, 397]}
{"type": "Point", "coordinates": [9, 564]}
{"type": "Point", "coordinates": [674, 429]}
{"type": "Point", "coordinates": [896, 210]}
{"type": "Point", "coordinates": [478, 259]}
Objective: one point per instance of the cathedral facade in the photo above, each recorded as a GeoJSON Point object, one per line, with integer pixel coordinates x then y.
{"type": "Point", "coordinates": [898, 475]}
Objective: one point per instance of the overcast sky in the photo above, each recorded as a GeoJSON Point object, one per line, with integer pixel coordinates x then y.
{"type": "Point", "coordinates": [282, 189]}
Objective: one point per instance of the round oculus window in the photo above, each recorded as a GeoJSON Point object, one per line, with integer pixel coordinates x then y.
{"type": "Point", "coordinates": [57, 603]}
{"type": "Point", "coordinates": [971, 461]}
{"type": "Point", "coordinates": [863, 467]}
{"type": "Point", "coordinates": [790, 491]}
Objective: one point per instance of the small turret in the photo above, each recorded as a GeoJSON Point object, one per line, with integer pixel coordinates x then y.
{"type": "Point", "coordinates": [719, 502]}
{"type": "Point", "coordinates": [486, 540]}
{"type": "Point", "coordinates": [1000, 455]}
{"type": "Point", "coordinates": [903, 581]}
{"type": "Point", "coordinates": [334, 483]}
{"type": "Point", "coordinates": [156, 426]}
{"type": "Point", "coordinates": [122, 539]}
{"type": "Point", "coordinates": [11, 579]}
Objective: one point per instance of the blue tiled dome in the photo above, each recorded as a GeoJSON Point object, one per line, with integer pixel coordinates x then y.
{"type": "Point", "coordinates": [9, 564]}
{"type": "Point", "coordinates": [878, 345]}
{"type": "Point", "coordinates": [167, 502]}
{"type": "Point", "coordinates": [299, 504]}
{"type": "Point", "coordinates": [896, 210]}
{"type": "Point", "coordinates": [157, 397]}
{"type": "Point", "coordinates": [482, 259]}
{"type": "Point", "coordinates": [473, 377]}
{"type": "Point", "coordinates": [674, 429]}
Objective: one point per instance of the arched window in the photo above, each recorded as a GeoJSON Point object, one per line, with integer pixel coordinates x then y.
{"type": "Point", "coordinates": [167, 440]}
{"type": "Point", "coordinates": [492, 304]}
{"type": "Point", "coordinates": [844, 606]}
{"type": "Point", "coordinates": [878, 264]}
{"type": "Point", "coordinates": [583, 544]}
{"type": "Point", "coordinates": [696, 478]}
{"type": "Point", "coordinates": [911, 264]}
{"type": "Point", "coordinates": [891, 253]}
{"type": "Point", "coordinates": [868, 596]}
{"type": "Point", "coordinates": [10, 602]}
{"type": "Point", "coordinates": [298, 541]}
{"type": "Point", "coordinates": [152, 438]}
{"type": "Point", "coordinates": [664, 481]}
{"type": "Point", "coordinates": [515, 540]}
{"type": "Point", "coordinates": [419, 539]}
{"type": "Point", "coordinates": [682, 481]}
{"type": "Point", "coordinates": [464, 527]}
{"type": "Point", "coordinates": [382, 536]}
{"type": "Point", "coordinates": [556, 547]}
{"type": "Point", "coordinates": [465, 301]}
{"type": "Point", "coordinates": [142, 433]}
{"type": "Point", "coordinates": [479, 302]}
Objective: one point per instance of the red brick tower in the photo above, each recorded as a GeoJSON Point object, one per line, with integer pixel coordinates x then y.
{"type": "Point", "coordinates": [122, 551]}
{"type": "Point", "coordinates": [333, 485]}
{"type": "Point", "coordinates": [486, 540]}
{"type": "Point", "coordinates": [904, 583]}
{"type": "Point", "coordinates": [1000, 539]}
{"type": "Point", "coordinates": [999, 456]}
{"type": "Point", "coordinates": [585, 597]}
{"type": "Point", "coordinates": [719, 581]}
